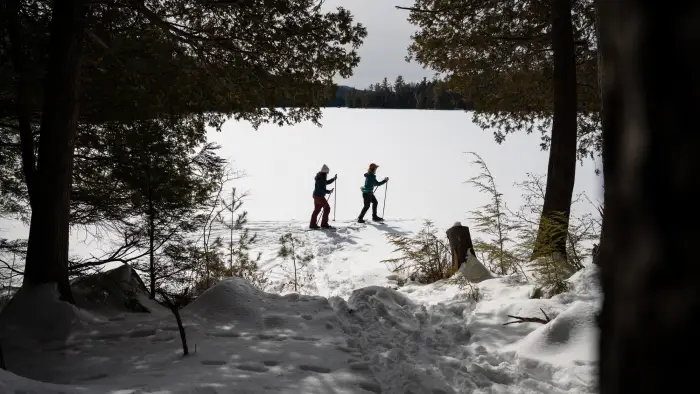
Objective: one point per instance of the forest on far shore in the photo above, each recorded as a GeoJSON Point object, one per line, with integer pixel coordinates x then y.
{"type": "Point", "coordinates": [426, 94]}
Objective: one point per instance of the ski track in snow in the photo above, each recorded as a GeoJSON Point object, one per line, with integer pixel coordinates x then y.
{"type": "Point", "coordinates": [356, 335]}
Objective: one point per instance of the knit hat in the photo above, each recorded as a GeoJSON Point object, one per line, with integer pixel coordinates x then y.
{"type": "Point", "coordinates": [325, 169]}
{"type": "Point", "coordinates": [373, 166]}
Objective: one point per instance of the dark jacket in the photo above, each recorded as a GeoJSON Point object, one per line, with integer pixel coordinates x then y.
{"type": "Point", "coordinates": [371, 182]}
{"type": "Point", "coordinates": [321, 182]}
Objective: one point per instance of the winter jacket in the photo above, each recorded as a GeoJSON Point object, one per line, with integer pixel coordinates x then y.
{"type": "Point", "coordinates": [371, 182]}
{"type": "Point", "coordinates": [321, 182]}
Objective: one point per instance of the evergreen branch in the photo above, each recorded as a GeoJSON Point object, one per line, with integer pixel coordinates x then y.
{"type": "Point", "coordinates": [423, 10]}
{"type": "Point", "coordinates": [172, 29]}
{"type": "Point", "coordinates": [458, 7]}
{"type": "Point", "coordinates": [519, 38]}
{"type": "Point", "coordinates": [19, 62]}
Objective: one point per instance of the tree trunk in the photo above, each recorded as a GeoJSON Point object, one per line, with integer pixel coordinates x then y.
{"type": "Point", "coordinates": [460, 241]}
{"type": "Point", "coordinates": [561, 171]}
{"type": "Point", "coordinates": [230, 245]}
{"type": "Point", "coordinates": [151, 243]}
{"type": "Point", "coordinates": [600, 33]}
{"type": "Point", "coordinates": [47, 250]}
{"type": "Point", "coordinates": [650, 269]}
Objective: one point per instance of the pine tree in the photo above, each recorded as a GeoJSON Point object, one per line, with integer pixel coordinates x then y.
{"type": "Point", "coordinates": [239, 242]}
{"type": "Point", "coordinates": [425, 257]}
{"type": "Point", "coordinates": [493, 221]}
{"type": "Point", "coordinates": [166, 195]}
{"type": "Point", "coordinates": [293, 248]}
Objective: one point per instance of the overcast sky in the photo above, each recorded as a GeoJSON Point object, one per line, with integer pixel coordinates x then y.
{"type": "Point", "coordinates": [385, 48]}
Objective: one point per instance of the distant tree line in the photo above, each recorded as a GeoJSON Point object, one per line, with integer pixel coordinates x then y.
{"type": "Point", "coordinates": [426, 94]}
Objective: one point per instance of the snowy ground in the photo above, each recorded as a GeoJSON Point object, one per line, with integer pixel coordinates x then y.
{"type": "Point", "coordinates": [355, 330]}
{"type": "Point", "coordinates": [364, 338]}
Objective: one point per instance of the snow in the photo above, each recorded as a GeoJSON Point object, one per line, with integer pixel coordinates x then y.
{"type": "Point", "coordinates": [354, 328]}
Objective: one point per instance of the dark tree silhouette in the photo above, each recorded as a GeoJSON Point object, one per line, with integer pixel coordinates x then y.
{"type": "Point", "coordinates": [649, 257]}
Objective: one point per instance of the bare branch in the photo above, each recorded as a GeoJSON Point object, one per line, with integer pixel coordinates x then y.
{"type": "Point", "coordinates": [519, 319]}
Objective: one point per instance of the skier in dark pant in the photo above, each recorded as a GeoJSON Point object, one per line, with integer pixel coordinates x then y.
{"type": "Point", "coordinates": [320, 201]}
{"type": "Point", "coordinates": [368, 194]}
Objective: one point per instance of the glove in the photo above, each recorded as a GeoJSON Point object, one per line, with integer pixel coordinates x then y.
{"type": "Point", "coordinates": [386, 179]}
{"type": "Point", "coordinates": [331, 191]}
{"type": "Point", "coordinates": [336, 176]}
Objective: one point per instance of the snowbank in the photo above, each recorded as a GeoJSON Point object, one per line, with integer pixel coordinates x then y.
{"type": "Point", "coordinates": [36, 315]}
{"type": "Point", "coordinates": [11, 383]}
{"type": "Point", "coordinates": [234, 302]}
{"type": "Point", "coordinates": [230, 300]}
{"type": "Point", "coordinates": [570, 338]}
{"type": "Point", "coordinates": [239, 337]}
{"type": "Point", "coordinates": [408, 345]}
{"type": "Point", "coordinates": [440, 341]}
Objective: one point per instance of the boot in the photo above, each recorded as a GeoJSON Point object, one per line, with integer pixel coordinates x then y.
{"type": "Point", "coordinates": [328, 227]}
{"type": "Point", "coordinates": [314, 227]}
{"type": "Point", "coordinates": [377, 218]}
{"type": "Point", "coordinates": [360, 220]}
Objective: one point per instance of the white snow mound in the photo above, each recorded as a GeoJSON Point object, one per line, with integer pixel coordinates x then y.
{"type": "Point", "coordinates": [570, 338]}
{"type": "Point", "coordinates": [11, 383]}
{"type": "Point", "coordinates": [234, 302]}
{"type": "Point", "coordinates": [36, 315]}
{"type": "Point", "coordinates": [231, 299]}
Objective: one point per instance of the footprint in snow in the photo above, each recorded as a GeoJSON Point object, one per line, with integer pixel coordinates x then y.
{"type": "Point", "coordinates": [253, 368]}
{"type": "Point", "coordinates": [371, 387]}
{"type": "Point", "coordinates": [213, 362]}
{"type": "Point", "coordinates": [314, 368]}
{"type": "Point", "coordinates": [271, 363]}
{"type": "Point", "coordinates": [142, 333]}
{"type": "Point", "coordinates": [267, 337]}
{"type": "Point", "coordinates": [174, 328]}
{"type": "Point", "coordinates": [163, 339]}
{"type": "Point", "coordinates": [300, 338]}
{"type": "Point", "coordinates": [358, 365]}
{"type": "Point", "coordinates": [108, 336]}
{"type": "Point", "coordinates": [225, 334]}
{"type": "Point", "coordinates": [344, 349]}
{"type": "Point", "coordinates": [94, 377]}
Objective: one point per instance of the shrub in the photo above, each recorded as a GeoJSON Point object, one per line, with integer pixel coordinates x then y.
{"type": "Point", "coordinates": [424, 258]}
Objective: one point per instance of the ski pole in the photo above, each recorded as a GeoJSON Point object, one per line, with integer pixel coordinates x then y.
{"type": "Point", "coordinates": [335, 197]}
{"type": "Point", "coordinates": [386, 190]}
{"type": "Point", "coordinates": [321, 213]}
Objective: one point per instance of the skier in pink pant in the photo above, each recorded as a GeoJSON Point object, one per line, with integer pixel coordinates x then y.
{"type": "Point", "coordinates": [320, 201]}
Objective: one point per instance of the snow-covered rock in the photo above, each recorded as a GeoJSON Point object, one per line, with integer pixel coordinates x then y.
{"type": "Point", "coordinates": [119, 290]}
